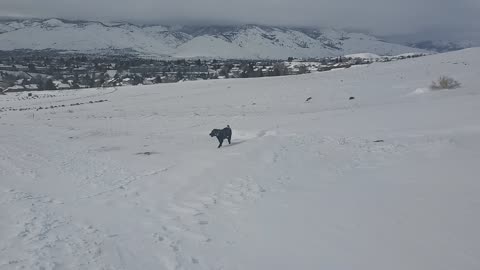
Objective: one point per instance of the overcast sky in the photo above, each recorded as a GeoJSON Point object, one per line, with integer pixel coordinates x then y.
{"type": "Point", "coordinates": [381, 17]}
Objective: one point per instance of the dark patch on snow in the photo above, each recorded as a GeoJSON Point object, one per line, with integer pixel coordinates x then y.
{"type": "Point", "coordinates": [148, 153]}
{"type": "Point", "coordinates": [234, 143]}
{"type": "Point", "coordinates": [4, 109]}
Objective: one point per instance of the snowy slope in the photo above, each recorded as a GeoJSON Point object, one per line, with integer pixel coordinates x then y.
{"type": "Point", "coordinates": [248, 41]}
{"type": "Point", "coordinates": [136, 182]}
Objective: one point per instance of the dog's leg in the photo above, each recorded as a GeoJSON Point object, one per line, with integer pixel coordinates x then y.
{"type": "Point", "coordinates": [220, 141]}
{"type": "Point", "coordinates": [229, 139]}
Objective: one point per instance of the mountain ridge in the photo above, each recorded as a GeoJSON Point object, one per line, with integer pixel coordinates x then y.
{"type": "Point", "coordinates": [249, 41]}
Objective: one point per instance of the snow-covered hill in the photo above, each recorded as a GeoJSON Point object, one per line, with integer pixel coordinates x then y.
{"type": "Point", "coordinates": [388, 180]}
{"type": "Point", "coordinates": [249, 41]}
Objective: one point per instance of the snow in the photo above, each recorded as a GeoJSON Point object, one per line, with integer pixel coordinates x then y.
{"type": "Point", "coordinates": [60, 85]}
{"type": "Point", "coordinates": [15, 87]}
{"type": "Point", "coordinates": [53, 23]}
{"type": "Point", "coordinates": [420, 91]}
{"type": "Point", "coordinates": [111, 73]}
{"type": "Point", "coordinates": [31, 87]}
{"type": "Point", "coordinates": [135, 182]}
{"type": "Point", "coordinates": [363, 56]}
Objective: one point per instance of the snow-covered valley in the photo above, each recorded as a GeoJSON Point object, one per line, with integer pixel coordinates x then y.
{"type": "Point", "coordinates": [387, 180]}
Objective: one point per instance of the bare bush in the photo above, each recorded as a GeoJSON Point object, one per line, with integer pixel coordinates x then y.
{"type": "Point", "coordinates": [445, 82]}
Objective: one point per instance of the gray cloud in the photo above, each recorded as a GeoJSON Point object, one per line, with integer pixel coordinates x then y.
{"type": "Point", "coordinates": [378, 16]}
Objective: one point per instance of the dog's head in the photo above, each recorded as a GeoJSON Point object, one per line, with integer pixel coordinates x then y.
{"type": "Point", "coordinates": [214, 133]}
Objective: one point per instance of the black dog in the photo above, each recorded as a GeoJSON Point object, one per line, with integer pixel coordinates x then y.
{"type": "Point", "coordinates": [222, 134]}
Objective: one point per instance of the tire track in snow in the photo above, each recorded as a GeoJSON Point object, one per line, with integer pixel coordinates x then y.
{"type": "Point", "coordinates": [58, 97]}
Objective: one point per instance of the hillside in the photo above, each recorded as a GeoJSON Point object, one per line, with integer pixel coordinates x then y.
{"type": "Point", "coordinates": [388, 180]}
{"type": "Point", "coordinates": [242, 42]}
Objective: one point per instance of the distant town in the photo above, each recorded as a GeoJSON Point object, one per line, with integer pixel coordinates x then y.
{"type": "Point", "coordinates": [43, 70]}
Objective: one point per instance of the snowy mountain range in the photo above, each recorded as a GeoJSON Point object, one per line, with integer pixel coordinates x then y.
{"type": "Point", "coordinates": [241, 42]}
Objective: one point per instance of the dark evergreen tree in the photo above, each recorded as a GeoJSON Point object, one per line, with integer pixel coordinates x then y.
{"type": "Point", "coordinates": [302, 69]}
{"type": "Point", "coordinates": [31, 67]}
{"type": "Point", "coordinates": [49, 85]}
{"type": "Point", "coordinates": [179, 76]}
